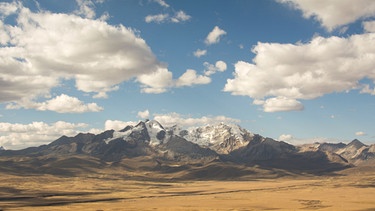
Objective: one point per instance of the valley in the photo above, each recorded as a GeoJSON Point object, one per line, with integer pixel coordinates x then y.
{"type": "Point", "coordinates": [351, 189]}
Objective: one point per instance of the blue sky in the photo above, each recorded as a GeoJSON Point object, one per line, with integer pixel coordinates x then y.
{"type": "Point", "coordinates": [293, 70]}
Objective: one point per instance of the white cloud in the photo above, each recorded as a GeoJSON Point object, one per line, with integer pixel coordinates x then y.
{"type": "Point", "coordinates": [159, 18]}
{"type": "Point", "coordinates": [277, 104]}
{"type": "Point", "coordinates": [369, 26]}
{"type": "Point", "coordinates": [198, 53]}
{"type": "Point", "coordinates": [186, 121]}
{"type": "Point", "coordinates": [171, 119]}
{"type": "Point", "coordinates": [162, 3]}
{"type": "Point", "coordinates": [104, 17]}
{"type": "Point", "coordinates": [143, 114]}
{"type": "Point", "coordinates": [285, 137]}
{"type": "Point", "coordinates": [332, 13]}
{"type": "Point", "coordinates": [301, 141]}
{"type": "Point", "coordinates": [343, 30]}
{"type": "Point", "coordinates": [190, 78]}
{"type": "Point", "coordinates": [214, 36]}
{"type": "Point", "coordinates": [7, 9]}
{"type": "Point", "coordinates": [17, 136]}
{"type": "Point", "coordinates": [360, 133]}
{"type": "Point", "coordinates": [170, 17]}
{"type": "Point", "coordinates": [367, 90]}
{"type": "Point", "coordinates": [117, 125]}
{"type": "Point", "coordinates": [156, 82]}
{"type": "Point", "coordinates": [212, 69]}
{"type": "Point", "coordinates": [86, 8]}
{"type": "Point", "coordinates": [180, 16]}
{"type": "Point", "coordinates": [60, 104]}
{"type": "Point", "coordinates": [258, 102]}
{"type": "Point", "coordinates": [221, 66]}
{"type": "Point", "coordinates": [40, 49]}
{"type": "Point", "coordinates": [288, 72]}
{"type": "Point", "coordinates": [162, 80]}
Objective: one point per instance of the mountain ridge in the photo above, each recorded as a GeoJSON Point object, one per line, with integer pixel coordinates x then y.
{"type": "Point", "coordinates": [166, 149]}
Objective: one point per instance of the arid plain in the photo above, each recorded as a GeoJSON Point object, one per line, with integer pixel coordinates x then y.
{"type": "Point", "coordinates": [350, 189]}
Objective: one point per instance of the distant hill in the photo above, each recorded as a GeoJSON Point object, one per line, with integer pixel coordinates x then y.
{"type": "Point", "coordinates": [355, 152]}
{"type": "Point", "coordinates": [206, 152]}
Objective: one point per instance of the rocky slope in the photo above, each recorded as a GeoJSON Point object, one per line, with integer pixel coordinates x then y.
{"type": "Point", "coordinates": [221, 138]}
{"type": "Point", "coordinates": [354, 152]}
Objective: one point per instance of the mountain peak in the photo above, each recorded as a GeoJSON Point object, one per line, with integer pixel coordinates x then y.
{"type": "Point", "coordinates": [356, 143]}
{"type": "Point", "coordinates": [154, 124]}
{"type": "Point", "coordinates": [150, 131]}
{"type": "Point", "coordinates": [2, 148]}
{"type": "Point", "coordinates": [222, 138]}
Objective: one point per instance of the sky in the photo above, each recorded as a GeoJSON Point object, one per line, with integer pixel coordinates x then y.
{"type": "Point", "coordinates": [298, 71]}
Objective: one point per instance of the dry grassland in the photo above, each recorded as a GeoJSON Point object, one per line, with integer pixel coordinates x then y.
{"type": "Point", "coordinates": [350, 190]}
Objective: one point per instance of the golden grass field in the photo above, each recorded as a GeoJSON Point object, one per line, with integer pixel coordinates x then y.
{"type": "Point", "coordinates": [351, 189]}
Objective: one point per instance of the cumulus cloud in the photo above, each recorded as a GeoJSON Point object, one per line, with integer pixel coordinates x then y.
{"type": "Point", "coordinates": [190, 78]}
{"type": "Point", "coordinates": [60, 104]}
{"type": "Point", "coordinates": [282, 74]}
{"type": "Point", "coordinates": [360, 133]}
{"type": "Point", "coordinates": [7, 9]}
{"type": "Point", "coordinates": [162, 80]}
{"type": "Point", "coordinates": [220, 66]}
{"type": "Point", "coordinates": [17, 136]}
{"type": "Point", "coordinates": [171, 119]}
{"type": "Point", "coordinates": [143, 114]}
{"type": "Point", "coordinates": [285, 137]}
{"type": "Point", "coordinates": [180, 16]}
{"type": "Point", "coordinates": [369, 26]}
{"type": "Point", "coordinates": [198, 53]}
{"type": "Point", "coordinates": [156, 82]}
{"type": "Point", "coordinates": [332, 14]}
{"type": "Point", "coordinates": [39, 49]}
{"type": "Point", "coordinates": [117, 124]}
{"type": "Point", "coordinates": [281, 104]}
{"type": "Point", "coordinates": [214, 36]}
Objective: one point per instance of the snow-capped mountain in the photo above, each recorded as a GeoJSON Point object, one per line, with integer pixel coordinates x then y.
{"type": "Point", "coordinates": [222, 138]}
{"type": "Point", "coordinates": [218, 143]}
{"type": "Point", "coordinates": [2, 148]}
{"type": "Point", "coordinates": [150, 131]}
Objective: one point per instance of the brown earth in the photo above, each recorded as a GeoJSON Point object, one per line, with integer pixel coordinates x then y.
{"type": "Point", "coordinates": [350, 189]}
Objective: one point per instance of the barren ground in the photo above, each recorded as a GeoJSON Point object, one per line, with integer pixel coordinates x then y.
{"type": "Point", "coordinates": [351, 189]}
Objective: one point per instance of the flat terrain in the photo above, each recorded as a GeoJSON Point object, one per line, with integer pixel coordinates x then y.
{"type": "Point", "coordinates": [351, 189]}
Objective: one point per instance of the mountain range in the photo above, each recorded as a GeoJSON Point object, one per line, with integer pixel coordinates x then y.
{"type": "Point", "coordinates": [221, 150]}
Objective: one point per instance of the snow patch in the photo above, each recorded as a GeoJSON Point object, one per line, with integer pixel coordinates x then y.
{"type": "Point", "coordinates": [222, 137]}
{"type": "Point", "coordinates": [118, 134]}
